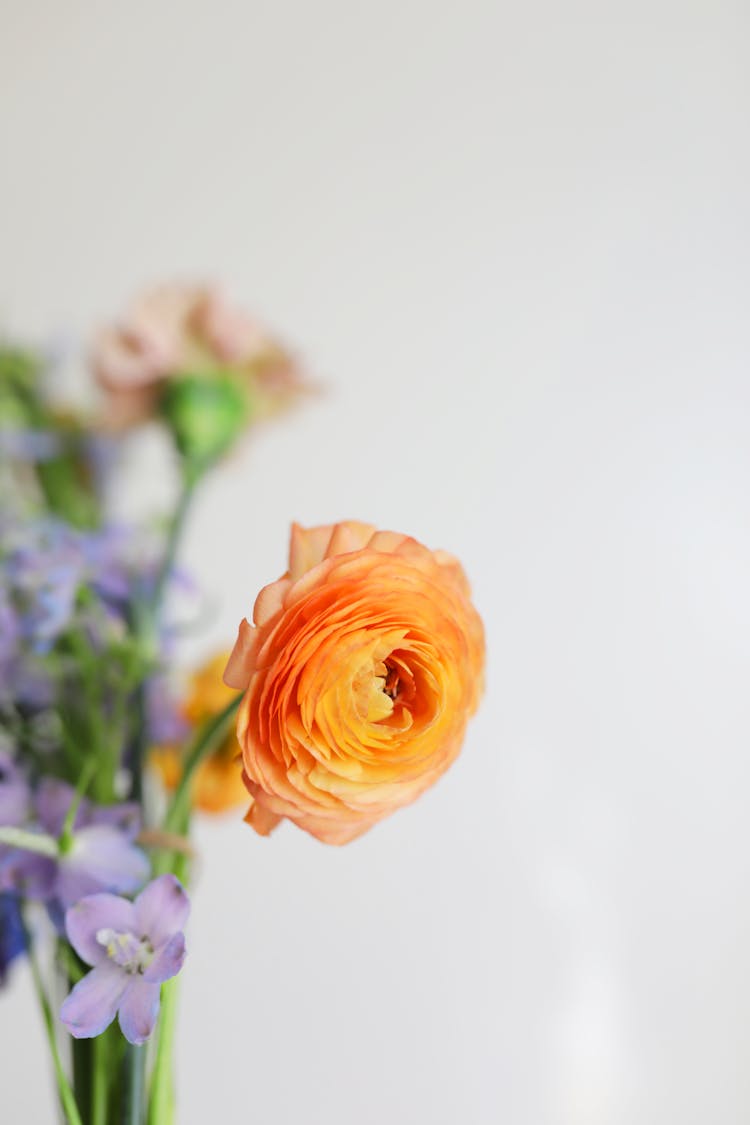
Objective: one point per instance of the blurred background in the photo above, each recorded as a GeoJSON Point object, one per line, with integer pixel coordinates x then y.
{"type": "Point", "coordinates": [513, 242]}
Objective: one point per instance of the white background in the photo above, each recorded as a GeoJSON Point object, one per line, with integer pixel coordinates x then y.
{"type": "Point", "coordinates": [513, 240]}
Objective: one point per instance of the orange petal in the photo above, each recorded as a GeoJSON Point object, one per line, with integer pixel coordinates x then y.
{"type": "Point", "coordinates": [350, 536]}
{"type": "Point", "coordinates": [262, 820]}
{"type": "Point", "coordinates": [241, 663]}
{"type": "Point", "coordinates": [307, 547]}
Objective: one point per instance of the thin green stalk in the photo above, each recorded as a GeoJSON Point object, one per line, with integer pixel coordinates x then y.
{"type": "Point", "coordinates": [66, 836]}
{"type": "Point", "coordinates": [177, 818]}
{"type": "Point", "coordinates": [161, 1104]}
{"type": "Point", "coordinates": [209, 737]}
{"type": "Point", "coordinates": [147, 621]}
{"type": "Point", "coordinates": [67, 1097]}
{"type": "Point", "coordinates": [81, 1056]}
{"type": "Point", "coordinates": [176, 526]}
{"type": "Point", "coordinates": [99, 1079]}
{"type": "Point", "coordinates": [140, 743]}
{"type": "Point", "coordinates": [134, 1065]}
{"type": "Point", "coordinates": [37, 842]}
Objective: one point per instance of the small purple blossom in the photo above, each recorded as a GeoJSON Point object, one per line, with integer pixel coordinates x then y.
{"type": "Point", "coordinates": [20, 871]}
{"type": "Point", "coordinates": [133, 948]}
{"type": "Point", "coordinates": [101, 855]}
{"type": "Point", "coordinates": [54, 797]}
{"type": "Point", "coordinates": [47, 562]}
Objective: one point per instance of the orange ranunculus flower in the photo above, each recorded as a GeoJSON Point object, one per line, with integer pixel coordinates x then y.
{"type": "Point", "coordinates": [218, 782]}
{"type": "Point", "coordinates": [360, 672]}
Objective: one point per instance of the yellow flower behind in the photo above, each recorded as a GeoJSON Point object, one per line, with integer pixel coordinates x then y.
{"type": "Point", "coordinates": [218, 782]}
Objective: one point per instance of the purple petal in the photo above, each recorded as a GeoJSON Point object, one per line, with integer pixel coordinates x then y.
{"type": "Point", "coordinates": [100, 859]}
{"type": "Point", "coordinates": [162, 909]}
{"type": "Point", "coordinates": [29, 875]}
{"type": "Point", "coordinates": [167, 960]}
{"type": "Point", "coordinates": [93, 1003]}
{"type": "Point", "coordinates": [53, 799]}
{"type": "Point", "coordinates": [14, 792]}
{"type": "Point", "coordinates": [93, 913]}
{"type": "Point", "coordinates": [139, 1009]}
{"type": "Point", "coordinates": [125, 816]}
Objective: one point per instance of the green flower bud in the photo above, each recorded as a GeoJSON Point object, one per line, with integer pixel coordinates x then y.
{"type": "Point", "coordinates": [206, 414]}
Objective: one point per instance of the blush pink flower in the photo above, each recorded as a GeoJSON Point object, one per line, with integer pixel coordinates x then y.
{"type": "Point", "coordinates": [178, 330]}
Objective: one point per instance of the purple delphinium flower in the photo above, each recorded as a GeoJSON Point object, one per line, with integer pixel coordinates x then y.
{"type": "Point", "coordinates": [133, 948]}
{"type": "Point", "coordinates": [45, 570]}
{"type": "Point", "coordinates": [97, 855]}
{"type": "Point", "coordinates": [10, 631]}
{"type": "Point", "coordinates": [101, 855]}
{"type": "Point", "coordinates": [53, 799]}
{"type": "Point", "coordinates": [20, 871]}
{"type": "Point", "coordinates": [12, 934]}
{"type": "Point", "coordinates": [47, 562]}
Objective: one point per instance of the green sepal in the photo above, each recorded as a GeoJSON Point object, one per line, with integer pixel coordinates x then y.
{"type": "Point", "coordinates": [206, 414]}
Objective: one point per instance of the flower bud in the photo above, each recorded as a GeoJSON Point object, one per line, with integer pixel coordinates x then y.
{"type": "Point", "coordinates": [205, 414]}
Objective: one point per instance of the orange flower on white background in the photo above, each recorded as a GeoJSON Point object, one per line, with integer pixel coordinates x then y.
{"type": "Point", "coordinates": [362, 666]}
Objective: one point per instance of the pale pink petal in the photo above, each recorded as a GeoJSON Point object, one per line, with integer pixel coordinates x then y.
{"type": "Point", "coordinates": [232, 334]}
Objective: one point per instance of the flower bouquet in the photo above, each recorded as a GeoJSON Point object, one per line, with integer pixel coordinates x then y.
{"type": "Point", "coordinates": [344, 699]}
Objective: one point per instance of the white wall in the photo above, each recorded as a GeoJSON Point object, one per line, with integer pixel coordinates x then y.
{"type": "Point", "coordinates": [514, 239]}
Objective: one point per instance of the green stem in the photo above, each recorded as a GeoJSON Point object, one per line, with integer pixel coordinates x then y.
{"type": "Point", "coordinates": [67, 1097]}
{"type": "Point", "coordinates": [81, 1052]}
{"type": "Point", "coordinates": [162, 1100]}
{"type": "Point", "coordinates": [209, 737]}
{"type": "Point", "coordinates": [37, 842]}
{"type": "Point", "coordinates": [66, 836]}
{"type": "Point", "coordinates": [176, 526]}
{"type": "Point", "coordinates": [147, 623]}
{"type": "Point", "coordinates": [132, 1102]}
{"type": "Point", "coordinates": [139, 743]}
{"type": "Point", "coordinates": [99, 1079]}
